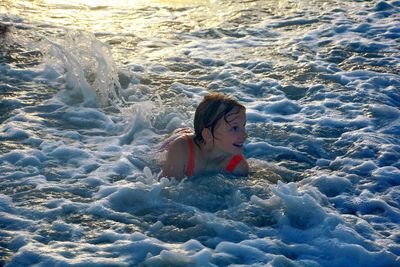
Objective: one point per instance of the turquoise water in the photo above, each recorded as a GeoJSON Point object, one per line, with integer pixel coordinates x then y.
{"type": "Point", "coordinates": [88, 92]}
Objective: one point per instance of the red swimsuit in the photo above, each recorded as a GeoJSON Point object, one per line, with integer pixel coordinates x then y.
{"type": "Point", "coordinates": [190, 165]}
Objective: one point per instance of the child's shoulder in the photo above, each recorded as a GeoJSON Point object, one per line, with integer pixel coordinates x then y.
{"type": "Point", "coordinates": [178, 140]}
{"type": "Point", "coordinates": [183, 131]}
{"type": "Point", "coordinates": [177, 154]}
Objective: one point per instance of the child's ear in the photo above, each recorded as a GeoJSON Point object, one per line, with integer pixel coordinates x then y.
{"type": "Point", "coordinates": [206, 134]}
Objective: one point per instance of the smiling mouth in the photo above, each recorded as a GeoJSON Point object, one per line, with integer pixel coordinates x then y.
{"type": "Point", "coordinates": [238, 145]}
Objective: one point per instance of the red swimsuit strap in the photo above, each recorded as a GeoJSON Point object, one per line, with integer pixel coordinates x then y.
{"type": "Point", "coordinates": [190, 164]}
{"type": "Point", "coordinates": [234, 162]}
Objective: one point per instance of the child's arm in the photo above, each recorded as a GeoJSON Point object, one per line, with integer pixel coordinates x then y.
{"type": "Point", "coordinates": [242, 169]}
{"type": "Point", "coordinates": [175, 163]}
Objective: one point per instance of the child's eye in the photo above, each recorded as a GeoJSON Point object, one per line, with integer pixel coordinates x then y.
{"type": "Point", "coordinates": [235, 128]}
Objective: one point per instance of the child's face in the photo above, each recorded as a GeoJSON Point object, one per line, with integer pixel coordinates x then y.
{"type": "Point", "coordinates": [230, 135]}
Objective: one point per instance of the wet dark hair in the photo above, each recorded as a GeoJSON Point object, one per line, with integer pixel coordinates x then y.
{"type": "Point", "coordinates": [211, 109]}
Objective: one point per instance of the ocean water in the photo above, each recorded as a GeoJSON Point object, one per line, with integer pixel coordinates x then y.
{"type": "Point", "coordinates": [89, 89]}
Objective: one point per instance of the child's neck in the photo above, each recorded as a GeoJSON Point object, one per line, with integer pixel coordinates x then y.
{"type": "Point", "coordinates": [211, 155]}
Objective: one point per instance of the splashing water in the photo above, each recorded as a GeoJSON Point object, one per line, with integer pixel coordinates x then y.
{"type": "Point", "coordinates": [86, 64]}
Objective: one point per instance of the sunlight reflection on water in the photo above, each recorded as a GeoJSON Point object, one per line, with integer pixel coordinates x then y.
{"type": "Point", "coordinates": [140, 28]}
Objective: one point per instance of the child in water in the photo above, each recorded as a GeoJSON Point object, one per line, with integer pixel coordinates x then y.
{"type": "Point", "coordinates": [216, 144]}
